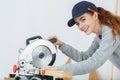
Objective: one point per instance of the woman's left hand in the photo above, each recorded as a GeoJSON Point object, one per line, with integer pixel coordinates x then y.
{"type": "Point", "coordinates": [42, 71]}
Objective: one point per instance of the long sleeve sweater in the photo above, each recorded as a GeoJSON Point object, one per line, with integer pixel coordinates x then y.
{"type": "Point", "coordinates": [97, 54]}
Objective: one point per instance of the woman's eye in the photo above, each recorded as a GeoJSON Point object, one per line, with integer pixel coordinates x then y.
{"type": "Point", "coordinates": [83, 20]}
{"type": "Point", "coordinates": [77, 24]}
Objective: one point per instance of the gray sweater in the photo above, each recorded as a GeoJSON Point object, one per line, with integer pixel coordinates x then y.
{"type": "Point", "coordinates": [97, 54]}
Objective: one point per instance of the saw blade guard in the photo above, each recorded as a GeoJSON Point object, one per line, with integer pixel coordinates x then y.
{"type": "Point", "coordinates": [38, 53]}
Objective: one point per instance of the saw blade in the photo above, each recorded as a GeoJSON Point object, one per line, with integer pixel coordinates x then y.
{"type": "Point", "coordinates": [41, 56]}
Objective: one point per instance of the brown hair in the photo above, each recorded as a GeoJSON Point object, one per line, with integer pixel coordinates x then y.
{"type": "Point", "coordinates": [111, 20]}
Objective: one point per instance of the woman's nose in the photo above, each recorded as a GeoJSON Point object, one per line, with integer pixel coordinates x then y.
{"type": "Point", "coordinates": [80, 27]}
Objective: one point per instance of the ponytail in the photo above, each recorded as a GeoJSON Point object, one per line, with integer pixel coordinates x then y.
{"type": "Point", "coordinates": [111, 20]}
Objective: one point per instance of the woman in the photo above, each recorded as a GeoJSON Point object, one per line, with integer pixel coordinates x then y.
{"type": "Point", "coordinates": [105, 46]}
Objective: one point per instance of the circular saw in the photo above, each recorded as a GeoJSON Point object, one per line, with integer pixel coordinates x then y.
{"type": "Point", "coordinates": [38, 53]}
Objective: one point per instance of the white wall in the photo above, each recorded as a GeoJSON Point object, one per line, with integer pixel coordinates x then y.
{"type": "Point", "coordinates": [21, 19]}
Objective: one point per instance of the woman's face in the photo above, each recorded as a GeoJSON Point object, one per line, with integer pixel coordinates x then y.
{"type": "Point", "coordinates": [86, 23]}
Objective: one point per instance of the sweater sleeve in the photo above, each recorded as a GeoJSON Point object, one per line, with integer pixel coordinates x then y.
{"type": "Point", "coordinates": [77, 55]}
{"type": "Point", "coordinates": [99, 57]}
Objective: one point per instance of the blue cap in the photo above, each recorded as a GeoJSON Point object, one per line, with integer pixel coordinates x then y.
{"type": "Point", "coordinates": [79, 9]}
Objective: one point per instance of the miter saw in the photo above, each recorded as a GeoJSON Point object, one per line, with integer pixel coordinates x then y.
{"type": "Point", "coordinates": [38, 53]}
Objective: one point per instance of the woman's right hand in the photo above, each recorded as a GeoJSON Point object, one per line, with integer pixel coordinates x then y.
{"type": "Point", "coordinates": [58, 42]}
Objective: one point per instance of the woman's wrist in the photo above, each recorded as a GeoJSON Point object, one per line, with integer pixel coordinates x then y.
{"type": "Point", "coordinates": [61, 43]}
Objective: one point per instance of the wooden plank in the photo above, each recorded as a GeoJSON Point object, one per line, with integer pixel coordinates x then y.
{"type": "Point", "coordinates": [7, 78]}
{"type": "Point", "coordinates": [58, 74]}
{"type": "Point", "coordinates": [93, 75]}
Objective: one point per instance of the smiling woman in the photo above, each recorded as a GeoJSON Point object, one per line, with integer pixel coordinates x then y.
{"type": "Point", "coordinates": [20, 19]}
{"type": "Point", "coordinates": [105, 46]}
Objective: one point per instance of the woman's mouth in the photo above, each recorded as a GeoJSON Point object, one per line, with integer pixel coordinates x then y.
{"type": "Point", "coordinates": [85, 29]}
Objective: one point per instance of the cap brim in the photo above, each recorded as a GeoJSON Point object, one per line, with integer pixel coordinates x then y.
{"type": "Point", "coordinates": [71, 22]}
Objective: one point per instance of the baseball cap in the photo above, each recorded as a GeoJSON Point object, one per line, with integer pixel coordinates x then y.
{"type": "Point", "coordinates": [79, 9]}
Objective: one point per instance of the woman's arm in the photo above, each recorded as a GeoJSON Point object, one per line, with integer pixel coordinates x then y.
{"type": "Point", "coordinates": [100, 56]}
{"type": "Point", "coordinates": [77, 55]}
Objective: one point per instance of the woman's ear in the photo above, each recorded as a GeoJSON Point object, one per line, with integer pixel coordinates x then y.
{"type": "Point", "coordinates": [95, 15]}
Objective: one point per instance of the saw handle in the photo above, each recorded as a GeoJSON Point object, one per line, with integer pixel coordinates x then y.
{"type": "Point", "coordinates": [53, 40]}
{"type": "Point", "coordinates": [32, 38]}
